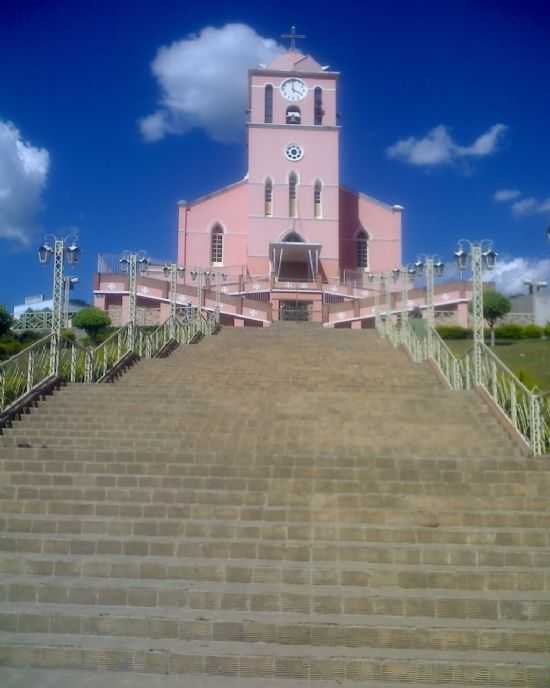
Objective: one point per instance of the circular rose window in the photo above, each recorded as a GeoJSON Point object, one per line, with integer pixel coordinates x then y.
{"type": "Point", "coordinates": [294, 152]}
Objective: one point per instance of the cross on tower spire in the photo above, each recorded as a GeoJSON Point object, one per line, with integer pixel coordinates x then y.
{"type": "Point", "coordinates": [293, 36]}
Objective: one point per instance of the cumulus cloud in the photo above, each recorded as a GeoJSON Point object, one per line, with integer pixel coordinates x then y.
{"type": "Point", "coordinates": [525, 207]}
{"type": "Point", "coordinates": [509, 275]}
{"type": "Point", "coordinates": [203, 82]}
{"type": "Point", "coordinates": [23, 175]}
{"type": "Point", "coordinates": [504, 195]}
{"type": "Point", "coordinates": [439, 148]}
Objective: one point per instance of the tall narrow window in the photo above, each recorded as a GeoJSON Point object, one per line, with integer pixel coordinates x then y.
{"type": "Point", "coordinates": [292, 204]}
{"type": "Point", "coordinates": [317, 209]}
{"type": "Point", "coordinates": [318, 105]}
{"type": "Point", "coordinates": [362, 249]}
{"type": "Point", "coordinates": [216, 246]}
{"type": "Point", "coordinates": [268, 198]}
{"type": "Point", "coordinates": [268, 105]}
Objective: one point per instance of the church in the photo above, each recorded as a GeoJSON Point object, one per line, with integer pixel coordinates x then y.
{"type": "Point", "coordinates": [290, 217]}
{"type": "Point", "coordinates": [288, 241]}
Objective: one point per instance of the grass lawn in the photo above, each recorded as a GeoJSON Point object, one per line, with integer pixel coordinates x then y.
{"type": "Point", "coordinates": [531, 355]}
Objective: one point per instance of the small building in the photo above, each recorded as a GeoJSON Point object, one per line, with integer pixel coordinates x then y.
{"type": "Point", "coordinates": [530, 308]}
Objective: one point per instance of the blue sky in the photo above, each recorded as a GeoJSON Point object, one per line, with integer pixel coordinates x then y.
{"type": "Point", "coordinates": [443, 105]}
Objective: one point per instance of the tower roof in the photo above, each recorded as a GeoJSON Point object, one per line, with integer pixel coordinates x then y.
{"type": "Point", "coordinates": [295, 61]}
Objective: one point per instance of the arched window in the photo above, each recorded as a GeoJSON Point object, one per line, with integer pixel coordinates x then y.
{"type": "Point", "coordinates": [268, 198]}
{"type": "Point", "coordinates": [268, 104]}
{"type": "Point", "coordinates": [293, 115]}
{"type": "Point", "coordinates": [318, 106]}
{"type": "Point", "coordinates": [292, 204]}
{"type": "Point", "coordinates": [362, 249]}
{"type": "Point", "coordinates": [216, 246]}
{"type": "Point", "coordinates": [317, 208]}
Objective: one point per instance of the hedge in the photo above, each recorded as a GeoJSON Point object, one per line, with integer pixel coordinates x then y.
{"type": "Point", "coordinates": [509, 331]}
{"type": "Point", "coordinates": [533, 331]}
{"type": "Point", "coordinates": [454, 332]}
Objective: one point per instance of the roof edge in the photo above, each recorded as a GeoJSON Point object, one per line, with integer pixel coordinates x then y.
{"type": "Point", "coordinates": [385, 205]}
{"type": "Point", "coordinates": [208, 196]}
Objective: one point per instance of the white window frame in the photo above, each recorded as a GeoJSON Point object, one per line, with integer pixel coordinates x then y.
{"type": "Point", "coordinates": [217, 234]}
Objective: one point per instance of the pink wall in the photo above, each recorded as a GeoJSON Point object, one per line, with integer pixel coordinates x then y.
{"type": "Point", "coordinates": [382, 224]}
{"type": "Point", "coordinates": [227, 207]}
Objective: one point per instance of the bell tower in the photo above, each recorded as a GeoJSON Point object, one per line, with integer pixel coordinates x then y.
{"type": "Point", "coordinates": [293, 159]}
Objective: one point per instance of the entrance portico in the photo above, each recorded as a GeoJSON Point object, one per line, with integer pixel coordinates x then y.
{"type": "Point", "coordinates": [295, 259]}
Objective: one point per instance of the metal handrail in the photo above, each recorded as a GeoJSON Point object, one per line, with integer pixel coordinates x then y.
{"type": "Point", "coordinates": [25, 371]}
{"type": "Point", "coordinates": [528, 411]}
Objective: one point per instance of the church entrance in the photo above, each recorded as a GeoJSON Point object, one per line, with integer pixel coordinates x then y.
{"type": "Point", "coordinates": [295, 311]}
{"type": "Point", "coordinates": [294, 260]}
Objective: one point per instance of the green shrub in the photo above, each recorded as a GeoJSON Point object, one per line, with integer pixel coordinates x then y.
{"type": "Point", "coordinates": [532, 331]}
{"type": "Point", "coordinates": [93, 321]}
{"type": "Point", "coordinates": [6, 321]}
{"type": "Point", "coordinates": [454, 332]}
{"type": "Point", "coordinates": [68, 335]}
{"type": "Point", "coordinates": [547, 329]}
{"type": "Point", "coordinates": [509, 331]}
{"type": "Point", "coordinates": [9, 346]}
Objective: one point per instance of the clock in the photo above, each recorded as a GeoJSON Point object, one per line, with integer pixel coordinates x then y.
{"type": "Point", "coordinates": [294, 152]}
{"type": "Point", "coordinates": [293, 89]}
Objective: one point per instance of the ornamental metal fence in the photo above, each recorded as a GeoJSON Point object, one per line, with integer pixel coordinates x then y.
{"type": "Point", "coordinates": [527, 410]}
{"type": "Point", "coordinates": [50, 359]}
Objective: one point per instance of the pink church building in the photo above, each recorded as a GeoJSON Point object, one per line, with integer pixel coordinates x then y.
{"type": "Point", "coordinates": [288, 240]}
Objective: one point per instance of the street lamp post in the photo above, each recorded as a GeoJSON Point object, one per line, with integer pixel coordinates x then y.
{"type": "Point", "coordinates": [133, 264]}
{"type": "Point", "coordinates": [68, 284]}
{"type": "Point", "coordinates": [430, 266]}
{"type": "Point", "coordinates": [407, 278]}
{"type": "Point", "coordinates": [219, 277]}
{"type": "Point", "coordinates": [60, 249]}
{"type": "Point", "coordinates": [479, 255]}
{"type": "Point", "coordinates": [172, 271]}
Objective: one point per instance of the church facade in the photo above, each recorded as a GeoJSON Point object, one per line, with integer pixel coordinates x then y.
{"type": "Point", "coordinates": [288, 241]}
{"type": "Point", "coordinates": [290, 218]}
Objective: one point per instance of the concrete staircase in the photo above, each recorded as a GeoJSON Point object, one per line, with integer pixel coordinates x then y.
{"type": "Point", "coordinates": [273, 504]}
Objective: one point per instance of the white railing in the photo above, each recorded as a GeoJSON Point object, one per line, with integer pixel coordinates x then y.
{"type": "Point", "coordinates": [24, 372]}
{"type": "Point", "coordinates": [528, 411]}
{"type": "Point", "coordinates": [178, 330]}
{"type": "Point", "coordinates": [35, 320]}
{"type": "Point", "coordinates": [68, 360]}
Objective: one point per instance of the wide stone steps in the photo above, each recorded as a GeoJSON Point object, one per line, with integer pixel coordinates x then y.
{"type": "Point", "coordinates": [280, 463]}
{"type": "Point", "coordinates": [291, 506]}
{"type": "Point", "coordinates": [363, 485]}
{"type": "Point", "coordinates": [370, 631]}
{"type": "Point", "coordinates": [275, 532]}
{"type": "Point", "coordinates": [291, 590]}
{"type": "Point", "coordinates": [494, 518]}
{"type": "Point", "coordinates": [115, 499]}
{"type": "Point", "coordinates": [272, 659]}
{"type": "Point", "coordinates": [403, 554]}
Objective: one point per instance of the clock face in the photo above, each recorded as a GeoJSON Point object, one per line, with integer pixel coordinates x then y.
{"type": "Point", "coordinates": [294, 89]}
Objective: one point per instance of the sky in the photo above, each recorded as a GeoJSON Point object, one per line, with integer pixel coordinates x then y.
{"type": "Point", "coordinates": [106, 121]}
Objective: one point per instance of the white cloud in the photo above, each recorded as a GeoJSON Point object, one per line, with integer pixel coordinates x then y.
{"type": "Point", "coordinates": [506, 195]}
{"type": "Point", "coordinates": [23, 174]}
{"type": "Point", "coordinates": [525, 207]}
{"type": "Point", "coordinates": [531, 206]}
{"type": "Point", "coordinates": [509, 275]}
{"type": "Point", "coordinates": [438, 147]}
{"type": "Point", "coordinates": [203, 82]}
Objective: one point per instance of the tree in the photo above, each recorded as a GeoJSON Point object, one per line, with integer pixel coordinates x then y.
{"type": "Point", "coordinates": [6, 321]}
{"type": "Point", "coordinates": [495, 307]}
{"type": "Point", "coordinates": [92, 320]}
